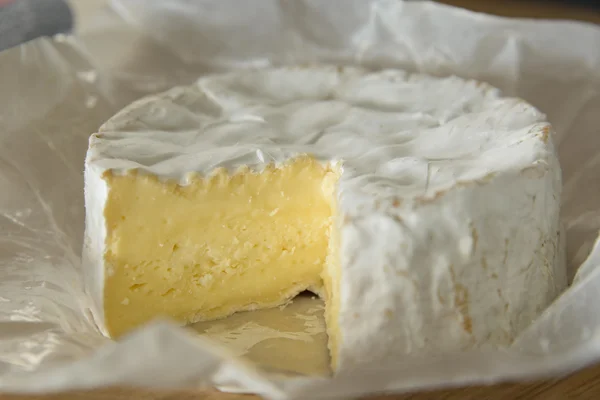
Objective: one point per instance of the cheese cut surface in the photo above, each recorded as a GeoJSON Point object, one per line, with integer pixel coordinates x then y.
{"type": "Point", "coordinates": [425, 211]}
{"type": "Point", "coordinates": [216, 246]}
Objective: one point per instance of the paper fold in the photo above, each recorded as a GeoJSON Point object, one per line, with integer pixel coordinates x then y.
{"type": "Point", "coordinates": [55, 93]}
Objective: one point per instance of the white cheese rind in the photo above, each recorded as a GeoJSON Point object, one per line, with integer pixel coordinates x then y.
{"type": "Point", "coordinates": [449, 193]}
{"type": "Point", "coordinates": [96, 193]}
{"type": "Point", "coordinates": [473, 267]}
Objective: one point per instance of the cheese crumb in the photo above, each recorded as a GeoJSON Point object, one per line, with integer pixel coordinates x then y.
{"type": "Point", "coordinates": [206, 280]}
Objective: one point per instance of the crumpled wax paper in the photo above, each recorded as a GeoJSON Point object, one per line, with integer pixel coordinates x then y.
{"type": "Point", "coordinates": [55, 92]}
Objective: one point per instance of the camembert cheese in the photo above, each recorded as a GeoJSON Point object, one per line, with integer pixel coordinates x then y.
{"type": "Point", "coordinates": [424, 211]}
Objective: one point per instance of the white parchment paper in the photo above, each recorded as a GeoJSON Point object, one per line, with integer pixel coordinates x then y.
{"type": "Point", "coordinates": [55, 92]}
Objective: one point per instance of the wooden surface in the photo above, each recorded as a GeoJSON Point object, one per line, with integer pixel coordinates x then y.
{"type": "Point", "coordinates": [581, 385]}
{"type": "Point", "coordinates": [529, 9]}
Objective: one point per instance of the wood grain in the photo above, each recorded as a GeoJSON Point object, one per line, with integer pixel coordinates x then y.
{"type": "Point", "coordinates": [584, 384]}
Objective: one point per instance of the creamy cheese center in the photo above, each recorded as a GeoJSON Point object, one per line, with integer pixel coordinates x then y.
{"type": "Point", "coordinates": [219, 245]}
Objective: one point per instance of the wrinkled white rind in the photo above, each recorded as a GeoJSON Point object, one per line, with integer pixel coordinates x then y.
{"type": "Point", "coordinates": [473, 267]}
{"type": "Point", "coordinates": [449, 192]}
{"type": "Point", "coordinates": [419, 132]}
{"type": "Point", "coordinates": [95, 193]}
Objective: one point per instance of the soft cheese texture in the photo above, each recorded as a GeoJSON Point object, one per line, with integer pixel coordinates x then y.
{"type": "Point", "coordinates": [427, 208]}
{"type": "Point", "coordinates": [215, 246]}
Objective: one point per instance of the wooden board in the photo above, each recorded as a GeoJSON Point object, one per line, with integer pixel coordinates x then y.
{"type": "Point", "coordinates": [584, 384]}
{"type": "Point", "coordinates": [547, 9]}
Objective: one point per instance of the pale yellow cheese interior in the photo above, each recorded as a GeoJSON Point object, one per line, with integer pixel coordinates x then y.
{"type": "Point", "coordinates": [220, 244]}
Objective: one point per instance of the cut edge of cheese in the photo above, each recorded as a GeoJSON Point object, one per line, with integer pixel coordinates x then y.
{"type": "Point", "coordinates": [220, 244]}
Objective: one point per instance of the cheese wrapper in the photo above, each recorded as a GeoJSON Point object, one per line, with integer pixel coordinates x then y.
{"type": "Point", "coordinates": [56, 92]}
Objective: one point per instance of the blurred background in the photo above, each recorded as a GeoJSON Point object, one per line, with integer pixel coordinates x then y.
{"type": "Point", "coordinates": [24, 20]}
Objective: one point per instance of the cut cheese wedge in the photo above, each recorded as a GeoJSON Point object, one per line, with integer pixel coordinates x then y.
{"type": "Point", "coordinates": [424, 211]}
